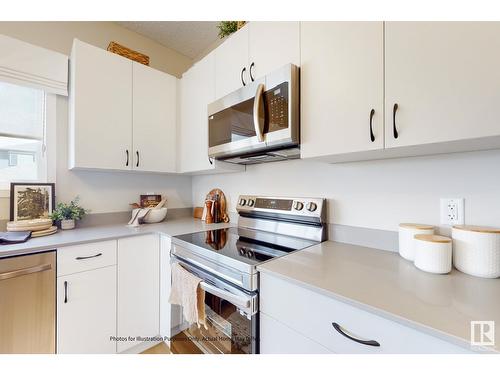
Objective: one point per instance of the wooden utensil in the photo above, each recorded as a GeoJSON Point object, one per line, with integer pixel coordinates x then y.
{"type": "Point", "coordinates": [161, 204]}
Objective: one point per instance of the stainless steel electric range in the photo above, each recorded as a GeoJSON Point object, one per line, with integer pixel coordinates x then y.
{"type": "Point", "coordinates": [227, 259]}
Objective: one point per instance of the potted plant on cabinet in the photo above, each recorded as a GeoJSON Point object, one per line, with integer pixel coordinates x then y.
{"type": "Point", "coordinates": [65, 214]}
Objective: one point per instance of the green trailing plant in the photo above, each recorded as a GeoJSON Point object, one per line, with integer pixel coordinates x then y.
{"type": "Point", "coordinates": [68, 211]}
{"type": "Point", "coordinates": [227, 28]}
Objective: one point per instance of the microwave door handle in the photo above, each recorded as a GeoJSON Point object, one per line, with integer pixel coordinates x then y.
{"type": "Point", "coordinates": [256, 109]}
{"type": "Point", "coordinates": [238, 301]}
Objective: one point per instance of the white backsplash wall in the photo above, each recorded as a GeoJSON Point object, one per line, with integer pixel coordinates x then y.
{"type": "Point", "coordinates": [107, 191]}
{"type": "Point", "coordinates": [377, 194]}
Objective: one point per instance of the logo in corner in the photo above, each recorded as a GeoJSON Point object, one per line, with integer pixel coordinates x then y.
{"type": "Point", "coordinates": [482, 332]}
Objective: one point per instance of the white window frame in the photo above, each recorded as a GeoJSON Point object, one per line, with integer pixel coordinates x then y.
{"type": "Point", "coordinates": [49, 143]}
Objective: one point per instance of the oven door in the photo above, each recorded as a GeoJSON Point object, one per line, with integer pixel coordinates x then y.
{"type": "Point", "coordinates": [231, 317]}
{"type": "Point", "coordinates": [262, 115]}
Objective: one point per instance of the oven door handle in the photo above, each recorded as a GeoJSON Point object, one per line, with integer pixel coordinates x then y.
{"type": "Point", "coordinates": [256, 110]}
{"type": "Point", "coordinates": [238, 301]}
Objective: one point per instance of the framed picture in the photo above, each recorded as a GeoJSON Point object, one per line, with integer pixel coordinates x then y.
{"type": "Point", "coordinates": [30, 201]}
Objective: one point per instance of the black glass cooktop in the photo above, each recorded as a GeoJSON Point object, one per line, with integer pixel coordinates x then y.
{"type": "Point", "coordinates": [245, 245]}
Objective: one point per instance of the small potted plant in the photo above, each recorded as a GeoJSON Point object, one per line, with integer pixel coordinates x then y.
{"type": "Point", "coordinates": [66, 213]}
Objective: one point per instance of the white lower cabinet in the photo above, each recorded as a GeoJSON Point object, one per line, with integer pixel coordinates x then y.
{"type": "Point", "coordinates": [86, 312]}
{"type": "Point", "coordinates": [109, 289]}
{"type": "Point", "coordinates": [277, 338]}
{"type": "Point", "coordinates": [138, 302]}
{"type": "Point", "coordinates": [311, 315]}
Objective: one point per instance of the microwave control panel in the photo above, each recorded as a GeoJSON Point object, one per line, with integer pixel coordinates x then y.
{"type": "Point", "coordinates": [276, 100]}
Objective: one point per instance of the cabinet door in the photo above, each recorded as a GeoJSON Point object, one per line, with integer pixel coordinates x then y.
{"type": "Point", "coordinates": [100, 126]}
{"type": "Point", "coordinates": [197, 90]}
{"type": "Point", "coordinates": [341, 84]}
{"type": "Point", "coordinates": [444, 77]}
{"type": "Point", "coordinates": [231, 57]}
{"type": "Point", "coordinates": [272, 45]}
{"type": "Point", "coordinates": [86, 312]}
{"type": "Point", "coordinates": [138, 288]}
{"type": "Point", "coordinates": [154, 120]}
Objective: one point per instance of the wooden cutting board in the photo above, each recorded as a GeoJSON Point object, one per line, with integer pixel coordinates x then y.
{"type": "Point", "coordinates": [26, 225]}
{"type": "Point", "coordinates": [45, 232]}
{"type": "Point", "coordinates": [222, 203]}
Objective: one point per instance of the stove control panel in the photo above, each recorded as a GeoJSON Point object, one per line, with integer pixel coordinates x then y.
{"type": "Point", "coordinates": [282, 205]}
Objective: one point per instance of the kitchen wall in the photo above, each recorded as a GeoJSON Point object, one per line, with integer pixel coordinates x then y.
{"type": "Point", "coordinates": [101, 191]}
{"type": "Point", "coordinates": [58, 36]}
{"type": "Point", "coordinates": [376, 194]}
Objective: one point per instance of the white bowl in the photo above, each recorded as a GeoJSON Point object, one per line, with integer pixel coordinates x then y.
{"type": "Point", "coordinates": [156, 215]}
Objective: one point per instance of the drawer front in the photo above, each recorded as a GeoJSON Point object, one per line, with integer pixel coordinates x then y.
{"type": "Point", "coordinates": [277, 338]}
{"type": "Point", "coordinates": [78, 258]}
{"type": "Point", "coordinates": [312, 315]}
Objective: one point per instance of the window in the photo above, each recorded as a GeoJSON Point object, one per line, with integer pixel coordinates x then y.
{"type": "Point", "coordinates": [23, 134]}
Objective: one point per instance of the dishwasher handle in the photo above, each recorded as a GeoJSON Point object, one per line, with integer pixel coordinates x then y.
{"type": "Point", "coordinates": [25, 271]}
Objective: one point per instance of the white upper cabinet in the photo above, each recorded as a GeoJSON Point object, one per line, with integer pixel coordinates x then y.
{"type": "Point", "coordinates": [445, 79]}
{"type": "Point", "coordinates": [197, 90]}
{"type": "Point", "coordinates": [154, 120]}
{"type": "Point", "coordinates": [122, 114]}
{"type": "Point", "coordinates": [272, 45]}
{"type": "Point", "coordinates": [253, 51]}
{"type": "Point", "coordinates": [231, 63]}
{"type": "Point", "coordinates": [342, 88]}
{"type": "Point", "coordinates": [100, 129]}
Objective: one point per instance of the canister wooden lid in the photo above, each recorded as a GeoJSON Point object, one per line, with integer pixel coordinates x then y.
{"type": "Point", "coordinates": [416, 226]}
{"type": "Point", "coordinates": [474, 228]}
{"type": "Point", "coordinates": [432, 238]}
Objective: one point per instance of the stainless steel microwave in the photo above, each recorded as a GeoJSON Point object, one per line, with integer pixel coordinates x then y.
{"type": "Point", "coordinates": [259, 122]}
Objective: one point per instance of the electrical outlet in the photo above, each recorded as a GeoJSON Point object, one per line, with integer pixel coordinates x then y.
{"type": "Point", "coordinates": [452, 211]}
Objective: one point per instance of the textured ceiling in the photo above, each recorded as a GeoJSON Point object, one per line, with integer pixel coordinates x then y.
{"type": "Point", "coordinates": [190, 38]}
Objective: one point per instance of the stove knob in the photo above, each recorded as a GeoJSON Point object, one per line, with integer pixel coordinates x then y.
{"type": "Point", "coordinates": [311, 206]}
{"type": "Point", "coordinates": [250, 202]}
{"type": "Point", "coordinates": [298, 206]}
{"type": "Point", "coordinates": [243, 201]}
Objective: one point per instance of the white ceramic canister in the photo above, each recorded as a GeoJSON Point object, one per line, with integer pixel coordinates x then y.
{"type": "Point", "coordinates": [407, 232]}
{"type": "Point", "coordinates": [476, 250]}
{"type": "Point", "coordinates": [433, 253]}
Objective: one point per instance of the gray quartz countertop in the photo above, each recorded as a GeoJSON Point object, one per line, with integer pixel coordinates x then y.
{"type": "Point", "coordinates": [383, 283]}
{"type": "Point", "coordinates": [107, 232]}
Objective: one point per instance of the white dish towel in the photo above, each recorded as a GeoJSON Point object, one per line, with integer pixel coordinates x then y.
{"type": "Point", "coordinates": [186, 292]}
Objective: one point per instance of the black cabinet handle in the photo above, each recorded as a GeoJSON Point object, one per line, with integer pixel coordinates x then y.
{"type": "Point", "coordinates": [364, 342]}
{"type": "Point", "coordinates": [394, 110]}
{"type": "Point", "coordinates": [372, 137]}
{"type": "Point", "coordinates": [251, 75]}
{"type": "Point", "coordinates": [90, 256]}
{"type": "Point", "coordinates": [242, 80]}
{"type": "Point", "coordinates": [210, 160]}
{"type": "Point", "coordinates": [137, 154]}
{"type": "Point", "coordinates": [126, 163]}
{"type": "Point", "coordinates": [65, 292]}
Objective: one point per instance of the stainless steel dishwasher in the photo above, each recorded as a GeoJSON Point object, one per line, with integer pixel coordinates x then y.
{"type": "Point", "coordinates": [28, 303]}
